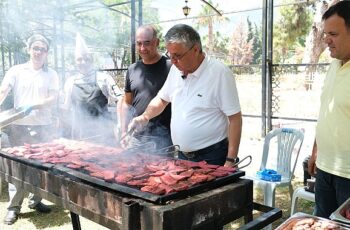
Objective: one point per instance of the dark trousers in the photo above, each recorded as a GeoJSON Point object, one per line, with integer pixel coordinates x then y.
{"type": "Point", "coordinates": [330, 192]}
{"type": "Point", "coordinates": [214, 154]}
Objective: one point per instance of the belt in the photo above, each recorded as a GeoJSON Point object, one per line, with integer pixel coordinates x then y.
{"type": "Point", "coordinates": [210, 148]}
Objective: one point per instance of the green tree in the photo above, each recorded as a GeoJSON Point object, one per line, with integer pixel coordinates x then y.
{"type": "Point", "coordinates": [254, 35]}
{"type": "Point", "coordinates": [207, 19]}
{"type": "Point", "coordinates": [290, 29]}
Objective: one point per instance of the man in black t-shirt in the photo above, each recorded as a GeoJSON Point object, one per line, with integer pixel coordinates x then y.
{"type": "Point", "coordinates": [143, 81]}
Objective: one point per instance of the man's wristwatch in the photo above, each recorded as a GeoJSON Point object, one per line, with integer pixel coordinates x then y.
{"type": "Point", "coordinates": [232, 160]}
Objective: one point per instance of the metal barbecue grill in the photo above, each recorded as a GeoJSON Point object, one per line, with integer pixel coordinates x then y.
{"type": "Point", "coordinates": [123, 207]}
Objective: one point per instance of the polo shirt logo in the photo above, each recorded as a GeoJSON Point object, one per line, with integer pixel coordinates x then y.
{"type": "Point", "coordinates": [199, 95]}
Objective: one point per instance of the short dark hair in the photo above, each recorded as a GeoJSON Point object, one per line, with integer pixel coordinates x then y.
{"type": "Point", "coordinates": [185, 34]}
{"type": "Point", "coordinates": [342, 9]}
{"type": "Point", "coordinates": [37, 37]}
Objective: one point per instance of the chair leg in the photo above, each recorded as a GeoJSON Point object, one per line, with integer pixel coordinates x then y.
{"type": "Point", "coordinates": [294, 203]}
{"type": "Point", "coordinates": [291, 190]}
{"type": "Point", "coordinates": [269, 194]}
{"type": "Point", "coordinates": [269, 198]}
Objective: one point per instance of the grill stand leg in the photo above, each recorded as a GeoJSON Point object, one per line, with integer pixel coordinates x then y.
{"type": "Point", "coordinates": [75, 221]}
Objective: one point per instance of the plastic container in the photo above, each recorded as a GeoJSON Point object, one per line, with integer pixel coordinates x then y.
{"type": "Point", "coordinates": [339, 215]}
{"type": "Point", "coordinates": [269, 175]}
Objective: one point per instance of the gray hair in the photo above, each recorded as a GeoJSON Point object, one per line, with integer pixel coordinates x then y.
{"type": "Point", "coordinates": [37, 37]}
{"type": "Point", "coordinates": [185, 34]}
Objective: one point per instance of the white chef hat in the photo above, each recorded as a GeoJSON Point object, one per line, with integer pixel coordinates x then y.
{"type": "Point", "coordinates": [81, 48]}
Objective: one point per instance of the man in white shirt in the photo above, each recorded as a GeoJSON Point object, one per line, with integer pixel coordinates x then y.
{"type": "Point", "coordinates": [35, 87]}
{"type": "Point", "coordinates": [87, 95]}
{"type": "Point", "coordinates": [206, 119]}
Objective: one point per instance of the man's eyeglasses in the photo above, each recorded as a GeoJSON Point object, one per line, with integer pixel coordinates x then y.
{"type": "Point", "coordinates": [177, 57]}
{"type": "Point", "coordinates": [41, 49]}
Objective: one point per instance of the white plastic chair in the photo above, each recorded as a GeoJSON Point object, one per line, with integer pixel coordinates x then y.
{"type": "Point", "coordinates": [287, 141]}
{"type": "Point", "coordinates": [301, 193]}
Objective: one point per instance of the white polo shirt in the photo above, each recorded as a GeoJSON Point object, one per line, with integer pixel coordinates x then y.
{"type": "Point", "coordinates": [31, 87]}
{"type": "Point", "coordinates": [201, 104]}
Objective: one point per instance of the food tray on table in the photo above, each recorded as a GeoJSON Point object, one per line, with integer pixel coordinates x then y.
{"type": "Point", "coordinates": [342, 214]}
{"type": "Point", "coordinates": [306, 221]}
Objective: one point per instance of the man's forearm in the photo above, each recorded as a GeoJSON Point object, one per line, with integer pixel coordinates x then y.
{"type": "Point", "coordinates": [154, 108]}
{"type": "Point", "coordinates": [234, 135]}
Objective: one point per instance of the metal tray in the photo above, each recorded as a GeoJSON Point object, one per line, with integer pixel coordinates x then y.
{"type": "Point", "coordinates": [133, 191]}
{"type": "Point", "coordinates": [339, 214]}
{"type": "Point", "coordinates": [9, 116]}
{"type": "Point", "coordinates": [287, 225]}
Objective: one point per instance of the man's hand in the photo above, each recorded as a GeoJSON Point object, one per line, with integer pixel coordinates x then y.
{"type": "Point", "coordinates": [138, 123]}
{"type": "Point", "coordinates": [311, 166]}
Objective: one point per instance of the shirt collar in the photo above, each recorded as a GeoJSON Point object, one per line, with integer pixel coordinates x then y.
{"type": "Point", "coordinates": [201, 67]}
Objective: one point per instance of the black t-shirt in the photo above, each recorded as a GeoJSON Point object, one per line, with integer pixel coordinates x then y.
{"type": "Point", "coordinates": [144, 81]}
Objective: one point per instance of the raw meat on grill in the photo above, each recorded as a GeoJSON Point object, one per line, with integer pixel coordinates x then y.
{"type": "Point", "coordinates": [150, 173]}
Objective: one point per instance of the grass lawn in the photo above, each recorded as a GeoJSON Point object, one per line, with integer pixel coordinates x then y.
{"type": "Point", "coordinates": [60, 218]}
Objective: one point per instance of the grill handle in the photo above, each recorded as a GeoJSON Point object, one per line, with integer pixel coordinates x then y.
{"type": "Point", "coordinates": [241, 161]}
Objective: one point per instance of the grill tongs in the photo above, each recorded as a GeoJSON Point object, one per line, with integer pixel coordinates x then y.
{"type": "Point", "coordinates": [125, 139]}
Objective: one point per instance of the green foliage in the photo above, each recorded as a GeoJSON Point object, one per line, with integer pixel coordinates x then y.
{"type": "Point", "coordinates": [291, 29]}
{"type": "Point", "coordinates": [104, 24]}
{"type": "Point", "coordinates": [255, 34]}
{"type": "Point", "coordinates": [213, 43]}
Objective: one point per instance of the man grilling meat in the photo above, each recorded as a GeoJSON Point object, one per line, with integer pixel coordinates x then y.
{"type": "Point", "coordinates": [206, 117]}
{"type": "Point", "coordinates": [142, 83]}
{"type": "Point", "coordinates": [87, 95]}
{"type": "Point", "coordinates": [34, 86]}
